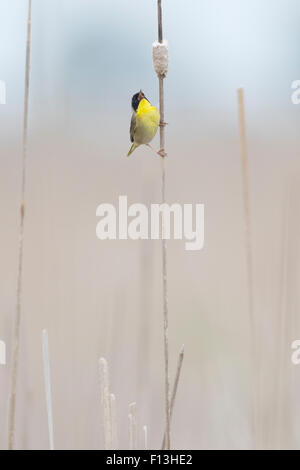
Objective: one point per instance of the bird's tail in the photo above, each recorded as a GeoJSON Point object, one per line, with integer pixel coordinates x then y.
{"type": "Point", "coordinates": [132, 148]}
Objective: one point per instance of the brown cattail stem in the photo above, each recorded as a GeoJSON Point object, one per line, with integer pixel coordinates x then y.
{"type": "Point", "coordinates": [145, 432]}
{"type": "Point", "coordinates": [17, 320]}
{"type": "Point", "coordinates": [174, 391]}
{"type": "Point", "coordinates": [164, 243]}
{"type": "Point", "coordinates": [114, 428]}
{"type": "Point", "coordinates": [248, 239]}
{"type": "Point", "coordinates": [47, 378]}
{"type": "Point", "coordinates": [106, 403]}
{"type": "Point", "coordinates": [133, 444]}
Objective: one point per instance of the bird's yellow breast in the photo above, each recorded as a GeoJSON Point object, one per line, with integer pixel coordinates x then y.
{"type": "Point", "coordinates": [148, 119]}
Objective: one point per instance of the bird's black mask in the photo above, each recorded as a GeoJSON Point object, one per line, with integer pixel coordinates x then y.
{"type": "Point", "coordinates": [136, 100]}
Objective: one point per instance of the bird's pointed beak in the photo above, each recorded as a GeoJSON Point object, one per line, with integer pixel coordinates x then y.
{"type": "Point", "coordinates": [141, 95]}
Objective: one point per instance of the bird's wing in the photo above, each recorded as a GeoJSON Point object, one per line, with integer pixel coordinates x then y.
{"type": "Point", "coordinates": [132, 127]}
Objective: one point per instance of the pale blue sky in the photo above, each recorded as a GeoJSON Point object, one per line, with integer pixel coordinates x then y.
{"type": "Point", "coordinates": [97, 53]}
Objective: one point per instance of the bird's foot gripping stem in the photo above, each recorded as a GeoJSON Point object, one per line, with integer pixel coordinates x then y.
{"type": "Point", "coordinates": [162, 153]}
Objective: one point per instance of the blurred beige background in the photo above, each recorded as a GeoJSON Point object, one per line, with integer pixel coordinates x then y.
{"type": "Point", "coordinates": [104, 298]}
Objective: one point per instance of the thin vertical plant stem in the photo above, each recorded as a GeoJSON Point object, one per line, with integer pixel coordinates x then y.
{"type": "Point", "coordinates": [248, 239]}
{"type": "Point", "coordinates": [175, 386]}
{"type": "Point", "coordinates": [145, 431]}
{"type": "Point", "coordinates": [283, 331]}
{"type": "Point", "coordinates": [47, 378]}
{"type": "Point", "coordinates": [164, 243]}
{"type": "Point", "coordinates": [130, 424]}
{"type": "Point", "coordinates": [133, 427]}
{"type": "Point", "coordinates": [17, 319]}
{"type": "Point", "coordinates": [114, 426]}
{"type": "Point", "coordinates": [106, 403]}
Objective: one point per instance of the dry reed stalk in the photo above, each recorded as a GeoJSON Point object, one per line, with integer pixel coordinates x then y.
{"type": "Point", "coordinates": [130, 420]}
{"type": "Point", "coordinates": [17, 320]}
{"type": "Point", "coordinates": [106, 403]}
{"type": "Point", "coordinates": [132, 427]}
{"type": "Point", "coordinates": [145, 431]}
{"type": "Point", "coordinates": [248, 239]}
{"type": "Point", "coordinates": [47, 377]}
{"type": "Point", "coordinates": [175, 386]}
{"type": "Point", "coordinates": [164, 242]}
{"type": "Point", "coordinates": [114, 426]}
{"type": "Point", "coordinates": [283, 338]}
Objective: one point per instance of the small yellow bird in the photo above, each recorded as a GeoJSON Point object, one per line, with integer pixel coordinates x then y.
{"type": "Point", "coordinates": [144, 122]}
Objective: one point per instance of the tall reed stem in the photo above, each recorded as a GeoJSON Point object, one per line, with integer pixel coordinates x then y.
{"type": "Point", "coordinates": [114, 426]}
{"type": "Point", "coordinates": [283, 337]}
{"type": "Point", "coordinates": [164, 243]}
{"type": "Point", "coordinates": [106, 403]}
{"type": "Point", "coordinates": [248, 240]}
{"type": "Point", "coordinates": [17, 320]}
{"type": "Point", "coordinates": [145, 431]}
{"type": "Point", "coordinates": [174, 391]}
{"type": "Point", "coordinates": [47, 378]}
{"type": "Point", "coordinates": [133, 441]}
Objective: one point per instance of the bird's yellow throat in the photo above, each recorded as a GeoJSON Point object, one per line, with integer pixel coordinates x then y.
{"type": "Point", "coordinates": [144, 106]}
